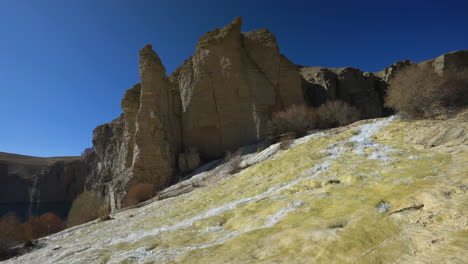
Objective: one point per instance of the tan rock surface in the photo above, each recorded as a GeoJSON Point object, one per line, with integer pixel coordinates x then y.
{"type": "Point", "coordinates": [230, 87]}
{"type": "Point", "coordinates": [156, 137]}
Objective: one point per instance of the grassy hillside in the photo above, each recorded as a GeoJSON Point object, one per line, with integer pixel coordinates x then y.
{"type": "Point", "coordinates": [379, 191]}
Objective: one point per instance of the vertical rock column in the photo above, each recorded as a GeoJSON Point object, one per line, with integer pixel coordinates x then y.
{"type": "Point", "coordinates": [155, 149]}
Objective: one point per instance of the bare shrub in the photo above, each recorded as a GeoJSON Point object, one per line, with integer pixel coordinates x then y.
{"type": "Point", "coordinates": [234, 160]}
{"type": "Point", "coordinates": [84, 208]}
{"type": "Point", "coordinates": [138, 193]}
{"type": "Point", "coordinates": [419, 92]}
{"type": "Point", "coordinates": [286, 141]}
{"type": "Point", "coordinates": [336, 113]}
{"type": "Point", "coordinates": [455, 90]}
{"type": "Point", "coordinates": [296, 119]}
{"type": "Point", "coordinates": [12, 234]}
{"type": "Point", "coordinates": [44, 225]}
{"type": "Point", "coordinates": [104, 212]}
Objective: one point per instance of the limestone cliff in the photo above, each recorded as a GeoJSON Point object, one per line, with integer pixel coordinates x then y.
{"type": "Point", "coordinates": [230, 87]}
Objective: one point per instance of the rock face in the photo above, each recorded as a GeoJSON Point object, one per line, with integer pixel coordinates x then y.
{"type": "Point", "coordinates": [157, 125]}
{"type": "Point", "coordinates": [388, 73]}
{"type": "Point", "coordinates": [230, 87]}
{"type": "Point", "coordinates": [220, 99]}
{"type": "Point", "coordinates": [141, 145]}
{"type": "Point", "coordinates": [449, 61]}
{"type": "Point", "coordinates": [363, 90]}
{"type": "Point", "coordinates": [25, 179]}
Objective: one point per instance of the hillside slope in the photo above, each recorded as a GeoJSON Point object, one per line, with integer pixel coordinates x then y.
{"type": "Point", "coordinates": [377, 191]}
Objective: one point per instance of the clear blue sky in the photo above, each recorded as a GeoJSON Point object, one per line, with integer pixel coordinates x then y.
{"type": "Point", "coordinates": [64, 65]}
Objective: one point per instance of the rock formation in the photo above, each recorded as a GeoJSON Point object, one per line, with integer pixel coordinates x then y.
{"type": "Point", "coordinates": [363, 90]}
{"type": "Point", "coordinates": [220, 99]}
{"type": "Point", "coordinates": [449, 61]}
{"type": "Point", "coordinates": [230, 87]}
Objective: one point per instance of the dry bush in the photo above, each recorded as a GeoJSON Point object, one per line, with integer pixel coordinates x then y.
{"type": "Point", "coordinates": [296, 119]}
{"type": "Point", "coordinates": [138, 193]}
{"type": "Point", "coordinates": [286, 141]}
{"type": "Point", "coordinates": [234, 160]}
{"type": "Point", "coordinates": [336, 113]}
{"type": "Point", "coordinates": [44, 225]}
{"type": "Point", "coordinates": [104, 212]}
{"type": "Point", "coordinates": [419, 92]}
{"type": "Point", "coordinates": [12, 234]}
{"type": "Point", "coordinates": [84, 208]}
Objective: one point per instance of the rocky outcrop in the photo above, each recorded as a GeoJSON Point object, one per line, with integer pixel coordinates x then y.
{"type": "Point", "coordinates": [141, 145]}
{"type": "Point", "coordinates": [448, 62]}
{"type": "Point", "coordinates": [220, 99]}
{"type": "Point", "coordinates": [112, 158]}
{"type": "Point", "coordinates": [231, 86]}
{"type": "Point", "coordinates": [157, 138]}
{"type": "Point", "coordinates": [363, 90]}
{"type": "Point", "coordinates": [388, 73]}
{"type": "Point", "coordinates": [366, 90]}
{"type": "Point", "coordinates": [26, 179]}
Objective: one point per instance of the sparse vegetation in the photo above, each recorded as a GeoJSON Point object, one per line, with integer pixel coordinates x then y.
{"type": "Point", "coordinates": [104, 212]}
{"type": "Point", "coordinates": [234, 160]}
{"type": "Point", "coordinates": [336, 113]}
{"type": "Point", "coordinates": [297, 120]}
{"type": "Point", "coordinates": [138, 193]}
{"type": "Point", "coordinates": [419, 92]}
{"type": "Point", "coordinates": [286, 141]}
{"type": "Point", "coordinates": [12, 234]}
{"type": "Point", "coordinates": [44, 225]}
{"type": "Point", "coordinates": [85, 208]}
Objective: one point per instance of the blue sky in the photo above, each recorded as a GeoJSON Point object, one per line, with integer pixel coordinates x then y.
{"type": "Point", "coordinates": [64, 65]}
